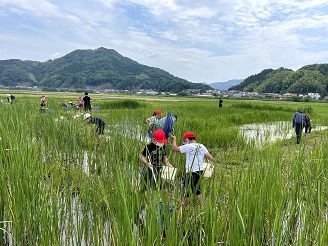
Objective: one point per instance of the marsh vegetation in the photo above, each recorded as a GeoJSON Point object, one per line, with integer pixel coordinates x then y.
{"type": "Point", "coordinates": [272, 194]}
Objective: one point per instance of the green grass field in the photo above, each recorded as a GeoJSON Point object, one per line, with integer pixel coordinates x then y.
{"type": "Point", "coordinates": [275, 194]}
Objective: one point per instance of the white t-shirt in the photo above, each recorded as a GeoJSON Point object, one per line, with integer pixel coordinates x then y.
{"type": "Point", "coordinates": [152, 119]}
{"type": "Point", "coordinates": [195, 153]}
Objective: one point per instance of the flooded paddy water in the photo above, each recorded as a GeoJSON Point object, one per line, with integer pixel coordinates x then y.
{"type": "Point", "coordinates": [262, 133]}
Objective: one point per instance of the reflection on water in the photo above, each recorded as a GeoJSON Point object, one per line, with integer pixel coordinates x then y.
{"type": "Point", "coordinates": [261, 133]}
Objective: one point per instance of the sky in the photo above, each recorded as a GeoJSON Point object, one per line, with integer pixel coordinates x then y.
{"type": "Point", "coordinates": [203, 41]}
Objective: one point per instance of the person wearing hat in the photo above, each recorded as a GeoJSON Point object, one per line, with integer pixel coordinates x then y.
{"type": "Point", "coordinates": [43, 106]}
{"type": "Point", "coordinates": [150, 122]}
{"type": "Point", "coordinates": [73, 105]}
{"type": "Point", "coordinates": [96, 122]}
{"type": "Point", "coordinates": [64, 106]}
{"type": "Point", "coordinates": [10, 98]}
{"type": "Point", "coordinates": [166, 123]}
{"type": "Point", "coordinates": [173, 117]}
{"type": "Point", "coordinates": [156, 115]}
{"type": "Point", "coordinates": [154, 157]}
{"type": "Point", "coordinates": [195, 153]}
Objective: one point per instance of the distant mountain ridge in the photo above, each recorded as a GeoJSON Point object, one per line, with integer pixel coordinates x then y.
{"type": "Point", "coordinates": [225, 85]}
{"type": "Point", "coordinates": [92, 69]}
{"type": "Point", "coordinates": [308, 79]}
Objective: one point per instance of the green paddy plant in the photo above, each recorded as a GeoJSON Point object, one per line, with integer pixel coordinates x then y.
{"type": "Point", "coordinates": [256, 106]}
{"type": "Point", "coordinates": [121, 104]}
{"type": "Point", "coordinates": [61, 187]}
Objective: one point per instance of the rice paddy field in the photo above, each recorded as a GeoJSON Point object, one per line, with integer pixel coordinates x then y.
{"type": "Point", "coordinates": [62, 187]}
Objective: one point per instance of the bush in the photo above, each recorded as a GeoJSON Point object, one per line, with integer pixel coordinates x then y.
{"type": "Point", "coordinates": [118, 104]}
{"type": "Point", "coordinates": [262, 107]}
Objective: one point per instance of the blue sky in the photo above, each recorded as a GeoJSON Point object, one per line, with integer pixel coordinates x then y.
{"type": "Point", "coordinates": [198, 40]}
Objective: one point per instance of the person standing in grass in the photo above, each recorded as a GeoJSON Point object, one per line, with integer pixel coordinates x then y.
{"type": "Point", "coordinates": [220, 103]}
{"type": "Point", "coordinates": [43, 106]}
{"type": "Point", "coordinates": [156, 115]}
{"type": "Point", "coordinates": [87, 102]}
{"type": "Point", "coordinates": [299, 123]}
{"type": "Point", "coordinates": [80, 103]}
{"type": "Point", "coordinates": [150, 122]}
{"type": "Point", "coordinates": [195, 153]}
{"type": "Point", "coordinates": [64, 106]}
{"type": "Point", "coordinates": [96, 122]}
{"type": "Point", "coordinates": [154, 157]}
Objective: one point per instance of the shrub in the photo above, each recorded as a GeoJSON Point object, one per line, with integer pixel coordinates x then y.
{"type": "Point", "coordinates": [119, 104]}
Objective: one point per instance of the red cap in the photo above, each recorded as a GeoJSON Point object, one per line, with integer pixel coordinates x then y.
{"type": "Point", "coordinates": [158, 112]}
{"type": "Point", "coordinates": [188, 135]}
{"type": "Point", "coordinates": [159, 136]}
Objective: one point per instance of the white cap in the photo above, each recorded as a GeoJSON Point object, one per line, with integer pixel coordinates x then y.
{"type": "Point", "coordinates": [86, 116]}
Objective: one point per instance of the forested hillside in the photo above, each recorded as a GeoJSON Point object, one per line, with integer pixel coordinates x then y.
{"type": "Point", "coordinates": [310, 78]}
{"type": "Point", "coordinates": [92, 69]}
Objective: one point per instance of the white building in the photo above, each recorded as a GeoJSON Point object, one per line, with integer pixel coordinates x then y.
{"type": "Point", "coordinates": [315, 96]}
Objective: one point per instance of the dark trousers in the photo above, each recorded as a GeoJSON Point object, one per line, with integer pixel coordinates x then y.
{"type": "Point", "coordinates": [298, 130]}
{"type": "Point", "coordinates": [87, 107]}
{"type": "Point", "coordinates": [308, 128]}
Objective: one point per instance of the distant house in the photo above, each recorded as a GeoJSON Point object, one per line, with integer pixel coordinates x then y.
{"type": "Point", "coordinates": [268, 95]}
{"type": "Point", "coordinates": [315, 96]}
{"type": "Point", "coordinates": [206, 94]}
{"type": "Point", "coordinates": [288, 95]}
{"type": "Point", "coordinates": [151, 92]}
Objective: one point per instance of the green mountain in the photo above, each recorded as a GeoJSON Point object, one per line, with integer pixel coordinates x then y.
{"type": "Point", "coordinates": [92, 69]}
{"type": "Point", "coordinates": [308, 79]}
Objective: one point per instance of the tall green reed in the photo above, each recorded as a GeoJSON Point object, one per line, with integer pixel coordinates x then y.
{"type": "Point", "coordinates": [256, 196]}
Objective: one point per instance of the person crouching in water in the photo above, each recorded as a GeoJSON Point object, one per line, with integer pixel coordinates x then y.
{"type": "Point", "coordinates": [96, 122]}
{"type": "Point", "coordinates": [154, 157]}
{"type": "Point", "coordinates": [195, 153]}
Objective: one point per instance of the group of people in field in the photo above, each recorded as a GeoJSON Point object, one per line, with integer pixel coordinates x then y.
{"type": "Point", "coordinates": [160, 131]}
{"type": "Point", "coordinates": [82, 104]}
{"type": "Point", "coordinates": [154, 157]}
{"type": "Point", "coordinates": [301, 121]}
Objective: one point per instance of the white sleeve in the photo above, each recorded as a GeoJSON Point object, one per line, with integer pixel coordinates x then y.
{"type": "Point", "coordinates": [184, 148]}
{"type": "Point", "coordinates": [204, 149]}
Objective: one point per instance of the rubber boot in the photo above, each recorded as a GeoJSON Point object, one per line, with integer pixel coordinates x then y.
{"type": "Point", "coordinates": [298, 139]}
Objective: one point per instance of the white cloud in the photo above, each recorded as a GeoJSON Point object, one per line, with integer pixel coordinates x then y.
{"type": "Point", "coordinates": [208, 40]}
